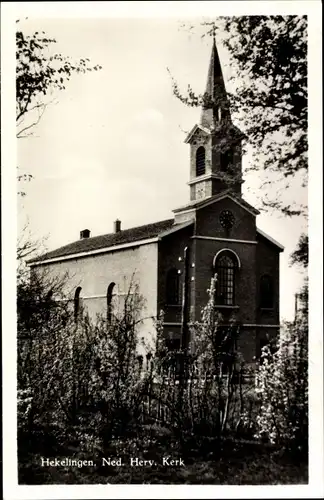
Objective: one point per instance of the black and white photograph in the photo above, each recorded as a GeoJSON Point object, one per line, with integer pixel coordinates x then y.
{"type": "Point", "coordinates": [163, 187]}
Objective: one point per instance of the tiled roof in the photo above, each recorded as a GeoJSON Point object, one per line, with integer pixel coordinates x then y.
{"type": "Point", "coordinates": [109, 240]}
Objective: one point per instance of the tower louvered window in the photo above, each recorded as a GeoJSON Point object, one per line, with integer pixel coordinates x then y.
{"type": "Point", "coordinates": [200, 161]}
{"type": "Point", "coordinates": [227, 159]}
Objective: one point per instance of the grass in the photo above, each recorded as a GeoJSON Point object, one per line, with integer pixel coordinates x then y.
{"type": "Point", "coordinates": [226, 463]}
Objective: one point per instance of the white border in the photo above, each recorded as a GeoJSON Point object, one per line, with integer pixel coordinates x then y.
{"type": "Point", "coordinates": [12, 10]}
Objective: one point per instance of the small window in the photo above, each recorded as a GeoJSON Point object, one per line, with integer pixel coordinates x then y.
{"type": "Point", "coordinates": [172, 287]}
{"type": "Point", "coordinates": [200, 161]}
{"type": "Point", "coordinates": [266, 292]}
{"type": "Point", "coordinates": [77, 303]}
{"type": "Point", "coordinates": [110, 295]}
{"type": "Point", "coordinates": [227, 159]}
{"type": "Point", "coordinates": [225, 268]}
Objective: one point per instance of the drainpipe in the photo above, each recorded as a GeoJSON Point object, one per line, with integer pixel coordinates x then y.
{"type": "Point", "coordinates": [185, 301]}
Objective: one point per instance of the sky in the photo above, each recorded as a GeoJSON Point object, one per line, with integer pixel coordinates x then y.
{"type": "Point", "coordinates": [112, 144]}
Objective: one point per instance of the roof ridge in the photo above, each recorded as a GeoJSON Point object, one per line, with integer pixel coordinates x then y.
{"type": "Point", "coordinates": [128, 229]}
{"type": "Point", "coordinates": [132, 234]}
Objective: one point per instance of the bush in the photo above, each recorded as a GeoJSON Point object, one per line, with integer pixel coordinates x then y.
{"type": "Point", "coordinates": [202, 389]}
{"type": "Point", "coordinates": [282, 386]}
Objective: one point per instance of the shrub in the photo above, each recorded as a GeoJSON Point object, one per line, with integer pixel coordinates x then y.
{"type": "Point", "coordinates": [282, 386]}
{"type": "Point", "coordinates": [201, 388]}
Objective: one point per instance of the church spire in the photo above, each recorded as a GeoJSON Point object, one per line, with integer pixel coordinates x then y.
{"type": "Point", "coordinates": [215, 107]}
{"type": "Point", "coordinates": [215, 144]}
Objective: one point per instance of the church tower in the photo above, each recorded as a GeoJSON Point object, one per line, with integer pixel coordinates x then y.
{"type": "Point", "coordinates": [215, 143]}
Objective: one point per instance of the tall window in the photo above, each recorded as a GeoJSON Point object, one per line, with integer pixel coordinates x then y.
{"type": "Point", "coordinates": [77, 303]}
{"type": "Point", "coordinates": [266, 292]}
{"type": "Point", "coordinates": [110, 305]}
{"type": "Point", "coordinates": [172, 287]}
{"type": "Point", "coordinates": [225, 267]}
{"type": "Point", "coordinates": [200, 161]}
{"type": "Point", "coordinates": [226, 159]}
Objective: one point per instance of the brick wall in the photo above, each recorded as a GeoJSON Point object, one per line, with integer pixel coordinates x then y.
{"type": "Point", "coordinates": [208, 221]}
{"type": "Point", "coordinates": [171, 248]}
{"type": "Point", "coordinates": [268, 263]}
{"type": "Point", "coordinates": [245, 278]}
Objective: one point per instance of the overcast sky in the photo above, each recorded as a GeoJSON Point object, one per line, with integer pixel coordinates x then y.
{"type": "Point", "coordinates": [113, 145]}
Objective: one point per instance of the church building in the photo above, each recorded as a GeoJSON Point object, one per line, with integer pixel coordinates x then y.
{"type": "Point", "coordinates": [174, 260]}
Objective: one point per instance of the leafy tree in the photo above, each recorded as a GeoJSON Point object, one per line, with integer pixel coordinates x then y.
{"type": "Point", "coordinates": [299, 256]}
{"type": "Point", "coordinates": [41, 308]}
{"type": "Point", "coordinates": [268, 59]}
{"type": "Point", "coordinates": [74, 371]}
{"type": "Point", "coordinates": [207, 397]}
{"type": "Point", "coordinates": [282, 386]}
{"type": "Point", "coordinates": [117, 384]}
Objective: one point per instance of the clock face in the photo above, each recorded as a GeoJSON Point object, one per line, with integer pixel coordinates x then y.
{"type": "Point", "coordinates": [227, 219]}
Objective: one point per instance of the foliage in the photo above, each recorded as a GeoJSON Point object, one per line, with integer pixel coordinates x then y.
{"type": "Point", "coordinates": [43, 323]}
{"type": "Point", "coordinates": [77, 372]}
{"type": "Point", "coordinates": [116, 384]}
{"type": "Point", "coordinates": [200, 390]}
{"type": "Point", "coordinates": [272, 53]}
{"type": "Point", "coordinates": [83, 392]}
{"type": "Point", "coordinates": [40, 72]}
{"type": "Point", "coordinates": [268, 59]}
{"type": "Point", "coordinates": [299, 256]}
{"type": "Point", "coordinates": [282, 385]}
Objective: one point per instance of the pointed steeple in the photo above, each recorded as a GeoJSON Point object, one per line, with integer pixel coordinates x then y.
{"type": "Point", "coordinates": [215, 107]}
{"type": "Point", "coordinates": [216, 143]}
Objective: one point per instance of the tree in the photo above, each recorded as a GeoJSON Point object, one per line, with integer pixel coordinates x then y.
{"type": "Point", "coordinates": [77, 373]}
{"type": "Point", "coordinates": [207, 397]}
{"type": "Point", "coordinates": [282, 387]}
{"type": "Point", "coordinates": [299, 256]}
{"type": "Point", "coordinates": [268, 58]}
{"type": "Point", "coordinates": [44, 319]}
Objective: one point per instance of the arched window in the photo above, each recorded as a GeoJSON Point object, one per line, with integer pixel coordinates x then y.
{"type": "Point", "coordinates": [226, 264]}
{"type": "Point", "coordinates": [172, 287]}
{"type": "Point", "coordinates": [49, 304]}
{"type": "Point", "coordinates": [77, 303]}
{"type": "Point", "coordinates": [266, 292]}
{"type": "Point", "coordinates": [200, 161]}
{"type": "Point", "coordinates": [110, 305]}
